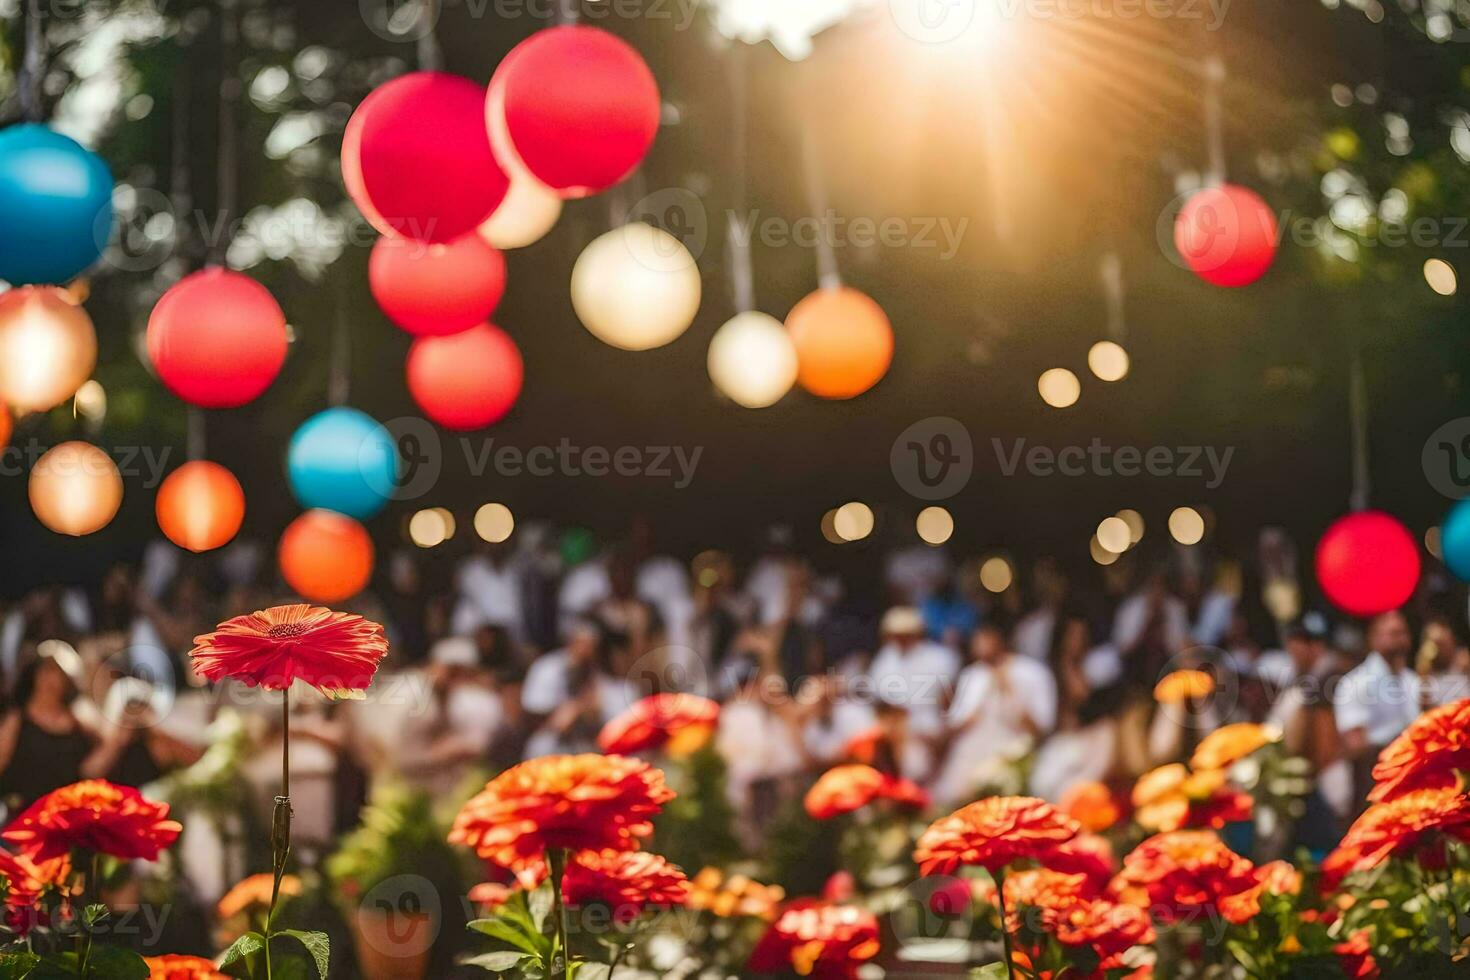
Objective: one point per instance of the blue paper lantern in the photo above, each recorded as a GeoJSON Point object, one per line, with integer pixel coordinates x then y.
{"type": "Point", "coordinates": [55, 206]}
{"type": "Point", "coordinates": [1454, 540]}
{"type": "Point", "coordinates": [343, 460]}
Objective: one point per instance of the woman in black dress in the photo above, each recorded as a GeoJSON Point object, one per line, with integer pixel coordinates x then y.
{"type": "Point", "coordinates": [43, 745]}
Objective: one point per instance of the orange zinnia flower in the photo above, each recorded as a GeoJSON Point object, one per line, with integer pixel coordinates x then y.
{"type": "Point", "coordinates": [1397, 827]}
{"type": "Point", "coordinates": [1092, 805]}
{"type": "Point", "coordinates": [1068, 908]}
{"type": "Point", "coordinates": [23, 884]}
{"type": "Point", "coordinates": [1224, 747]}
{"type": "Point", "coordinates": [843, 789]}
{"type": "Point", "coordinates": [683, 721]}
{"type": "Point", "coordinates": [574, 802]}
{"type": "Point", "coordinates": [627, 882]}
{"type": "Point", "coordinates": [1275, 878]}
{"type": "Point", "coordinates": [737, 895]}
{"type": "Point", "coordinates": [817, 940]}
{"type": "Point", "coordinates": [993, 833]}
{"type": "Point", "coordinates": [94, 815]}
{"type": "Point", "coordinates": [173, 967]}
{"type": "Point", "coordinates": [1429, 754]}
{"type": "Point", "coordinates": [1109, 928]}
{"type": "Point", "coordinates": [1170, 798]}
{"type": "Point", "coordinates": [1180, 873]}
{"type": "Point", "coordinates": [336, 653]}
{"type": "Point", "coordinates": [1184, 685]}
{"type": "Point", "coordinates": [254, 894]}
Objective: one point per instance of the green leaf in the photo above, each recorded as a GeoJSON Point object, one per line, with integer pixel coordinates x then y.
{"type": "Point", "coordinates": [582, 970]}
{"type": "Point", "coordinates": [14, 966]}
{"type": "Point", "coordinates": [247, 945]}
{"type": "Point", "coordinates": [539, 902]}
{"type": "Point", "coordinates": [510, 933]}
{"type": "Point", "coordinates": [93, 914]}
{"type": "Point", "coordinates": [317, 944]}
{"type": "Point", "coordinates": [115, 963]}
{"type": "Point", "coordinates": [990, 971]}
{"type": "Point", "coordinates": [497, 962]}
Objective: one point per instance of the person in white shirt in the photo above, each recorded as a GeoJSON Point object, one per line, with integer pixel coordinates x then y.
{"type": "Point", "coordinates": [1378, 698]}
{"type": "Point", "coordinates": [1002, 703]}
{"type": "Point", "coordinates": [913, 671]}
{"type": "Point", "coordinates": [490, 593]}
{"type": "Point", "coordinates": [570, 694]}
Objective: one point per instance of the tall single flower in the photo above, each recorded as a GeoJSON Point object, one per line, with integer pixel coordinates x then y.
{"type": "Point", "coordinates": [626, 882]}
{"type": "Point", "coordinates": [1429, 754]}
{"type": "Point", "coordinates": [174, 967]}
{"type": "Point", "coordinates": [993, 833]}
{"type": "Point", "coordinates": [336, 653]}
{"type": "Point", "coordinates": [843, 789]}
{"type": "Point", "coordinates": [1181, 874]}
{"type": "Point", "coordinates": [1398, 827]}
{"type": "Point", "coordinates": [1226, 746]}
{"type": "Point", "coordinates": [679, 723]}
{"type": "Point", "coordinates": [572, 802]}
{"type": "Point", "coordinates": [817, 939]}
{"type": "Point", "coordinates": [94, 815]}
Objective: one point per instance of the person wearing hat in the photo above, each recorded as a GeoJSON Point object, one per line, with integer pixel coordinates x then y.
{"type": "Point", "coordinates": [913, 671]}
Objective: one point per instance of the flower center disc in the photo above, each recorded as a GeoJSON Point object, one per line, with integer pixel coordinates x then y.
{"type": "Point", "coordinates": [286, 631]}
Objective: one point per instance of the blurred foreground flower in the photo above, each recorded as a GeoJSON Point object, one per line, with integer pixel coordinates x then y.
{"type": "Point", "coordinates": [96, 816]}
{"type": "Point", "coordinates": [818, 940]}
{"type": "Point", "coordinates": [843, 789]}
{"type": "Point", "coordinates": [992, 834]}
{"type": "Point", "coordinates": [680, 724]}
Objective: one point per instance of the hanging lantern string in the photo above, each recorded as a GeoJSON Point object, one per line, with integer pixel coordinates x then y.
{"type": "Point", "coordinates": [430, 51]}
{"type": "Point", "coordinates": [828, 275]}
{"type": "Point", "coordinates": [569, 12]}
{"type": "Point", "coordinates": [227, 173]}
{"type": "Point", "coordinates": [1358, 412]}
{"type": "Point", "coordinates": [1214, 72]}
{"type": "Point", "coordinates": [339, 379]}
{"type": "Point", "coordinates": [1111, 272]}
{"type": "Point", "coordinates": [739, 229]}
{"type": "Point", "coordinates": [33, 67]}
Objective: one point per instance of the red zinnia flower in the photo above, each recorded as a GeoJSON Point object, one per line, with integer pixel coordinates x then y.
{"type": "Point", "coordinates": [336, 653]}
{"type": "Point", "coordinates": [817, 940]}
{"type": "Point", "coordinates": [1429, 754]}
{"type": "Point", "coordinates": [1178, 873]}
{"type": "Point", "coordinates": [1088, 855]}
{"type": "Point", "coordinates": [173, 967]}
{"type": "Point", "coordinates": [627, 882]}
{"type": "Point", "coordinates": [993, 833]}
{"type": "Point", "coordinates": [1109, 928]}
{"type": "Point", "coordinates": [577, 802]}
{"type": "Point", "coordinates": [94, 815]}
{"type": "Point", "coordinates": [1355, 956]}
{"type": "Point", "coordinates": [1395, 828]}
{"type": "Point", "coordinates": [843, 789]}
{"type": "Point", "coordinates": [673, 721]}
{"type": "Point", "coordinates": [1275, 878]}
{"type": "Point", "coordinates": [23, 884]}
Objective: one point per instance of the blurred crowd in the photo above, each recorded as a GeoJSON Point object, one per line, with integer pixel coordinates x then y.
{"type": "Point", "coordinates": [1035, 683]}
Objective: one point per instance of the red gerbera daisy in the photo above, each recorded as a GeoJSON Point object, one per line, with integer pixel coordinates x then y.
{"type": "Point", "coordinates": [818, 940]}
{"type": "Point", "coordinates": [843, 789]}
{"type": "Point", "coordinates": [573, 802]}
{"type": "Point", "coordinates": [1429, 754]}
{"type": "Point", "coordinates": [94, 815]}
{"type": "Point", "coordinates": [659, 721]}
{"type": "Point", "coordinates": [627, 882]}
{"type": "Point", "coordinates": [993, 833]}
{"type": "Point", "coordinates": [336, 653]}
{"type": "Point", "coordinates": [174, 967]}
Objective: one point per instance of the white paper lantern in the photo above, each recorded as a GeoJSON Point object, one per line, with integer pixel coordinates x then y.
{"type": "Point", "coordinates": [47, 347]}
{"type": "Point", "coordinates": [529, 211]}
{"type": "Point", "coordinates": [636, 287]}
{"type": "Point", "coordinates": [752, 359]}
{"type": "Point", "coordinates": [75, 489]}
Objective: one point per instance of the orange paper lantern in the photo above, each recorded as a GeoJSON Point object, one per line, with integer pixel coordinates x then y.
{"type": "Point", "coordinates": [200, 506]}
{"type": "Point", "coordinates": [844, 342]}
{"type": "Point", "coordinates": [326, 557]}
{"type": "Point", "coordinates": [47, 347]}
{"type": "Point", "coordinates": [75, 489]}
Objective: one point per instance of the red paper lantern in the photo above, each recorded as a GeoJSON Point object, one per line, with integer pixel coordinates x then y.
{"type": "Point", "coordinates": [1368, 563]}
{"type": "Point", "coordinates": [200, 506]}
{"type": "Point", "coordinates": [217, 338]}
{"type": "Point", "coordinates": [575, 106]}
{"type": "Point", "coordinates": [468, 380]}
{"type": "Point", "coordinates": [1226, 235]}
{"type": "Point", "coordinates": [844, 342]}
{"type": "Point", "coordinates": [416, 158]}
{"type": "Point", "coordinates": [325, 556]}
{"type": "Point", "coordinates": [435, 290]}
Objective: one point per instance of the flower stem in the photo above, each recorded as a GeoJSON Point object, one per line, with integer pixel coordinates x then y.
{"type": "Point", "coordinates": [280, 825]}
{"type": "Point", "coordinates": [558, 859]}
{"type": "Point", "coordinates": [1005, 926]}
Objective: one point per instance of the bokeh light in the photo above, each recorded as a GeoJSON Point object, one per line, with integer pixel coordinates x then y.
{"type": "Point", "coordinates": [935, 525]}
{"type": "Point", "coordinates": [1100, 554]}
{"type": "Point", "coordinates": [1113, 534]}
{"type": "Point", "coordinates": [853, 521]}
{"type": "Point", "coordinates": [1432, 542]}
{"type": "Point", "coordinates": [1134, 520]}
{"type": "Point", "coordinates": [429, 528]}
{"type": "Point", "coordinates": [494, 523]}
{"type": "Point", "coordinates": [1441, 277]}
{"type": "Point", "coordinates": [1059, 388]}
{"type": "Point", "coordinates": [996, 574]}
{"type": "Point", "coordinates": [1107, 360]}
{"type": "Point", "coordinates": [91, 401]}
{"type": "Point", "coordinates": [1186, 525]}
